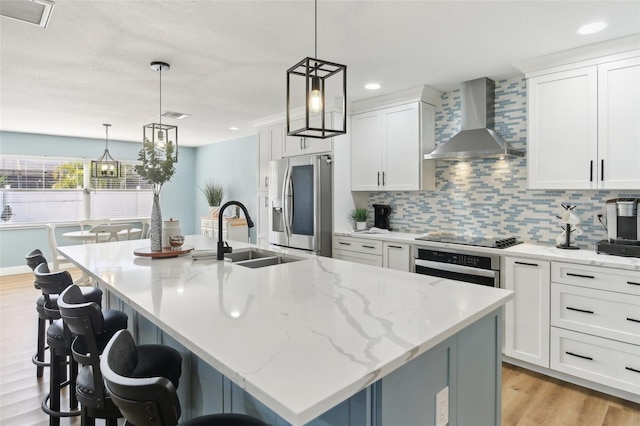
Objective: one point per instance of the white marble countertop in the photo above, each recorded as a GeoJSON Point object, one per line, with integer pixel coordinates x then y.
{"type": "Point", "coordinates": [302, 336]}
{"type": "Point", "coordinates": [529, 250]}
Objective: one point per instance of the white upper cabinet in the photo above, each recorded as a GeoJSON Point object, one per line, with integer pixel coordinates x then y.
{"type": "Point", "coordinates": [300, 145]}
{"type": "Point", "coordinates": [583, 127]}
{"type": "Point", "coordinates": [269, 148]}
{"type": "Point", "coordinates": [619, 124]}
{"type": "Point", "coordinates": [388, 147]}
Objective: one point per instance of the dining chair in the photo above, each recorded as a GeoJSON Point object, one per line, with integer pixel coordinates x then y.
{"type": "Point", "coordinates": [112, 229]}
{"type": "Point", "coordinates": [58, 259]}
{"type": "Point", "coordinates": [88, 224]}
{"type": "Point", "coordinates": [146, 224]}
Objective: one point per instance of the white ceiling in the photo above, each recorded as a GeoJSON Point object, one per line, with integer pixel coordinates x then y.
{"type": "Point", "coordinates": [229, 58]}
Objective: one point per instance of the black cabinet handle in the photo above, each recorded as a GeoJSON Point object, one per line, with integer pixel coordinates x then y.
{"type": "Point", "coordinates": [632, 369]}
{"type": "Point", "coordinates": [601, 169]}
{"type": "Point", "coordinates": [343, 243]}
{"type": "Point", "coordinates": [632, 283]}
{"type": "Point", "coordinates": [266, 181]}
{"type": "Point", "coordinates": [591, 171]}
{"type": "Point", "coordinates": [579, 310]}
{"type": "Point", "coordinates": [390, 246]}
{"type": "Point", "coordinates": [633, 320]}
{"type": "Point", "coordinates": [525, 263]}
{"type": "Point", "coordinates": [580, 275]}
{"type": "Point", "coordinates": [367, 246]}
{"type": "Point", "coordinates": [378, 178]}
{"type": "Point", "coordinates": [579, 356]}
{"type": "Point", "coordinates": [383, 184]}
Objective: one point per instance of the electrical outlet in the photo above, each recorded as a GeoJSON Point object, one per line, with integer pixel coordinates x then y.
{"type": "Point", "coordinates": [442, 407]}
{"type": "Point", "coordinates": [596, 214]}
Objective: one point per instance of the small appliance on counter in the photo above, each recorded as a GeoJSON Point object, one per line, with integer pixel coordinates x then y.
{"type": "Point", "coordinates": [381, 216]}
{"type": "Point", "coordinates": [623, 228]}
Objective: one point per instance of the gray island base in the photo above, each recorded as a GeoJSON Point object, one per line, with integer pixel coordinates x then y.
{"type": "Point", "coordinates": [314, 342]}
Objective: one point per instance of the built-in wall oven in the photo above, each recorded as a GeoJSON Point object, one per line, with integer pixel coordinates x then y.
{"type": "Point", "coordinates": [459, 265]}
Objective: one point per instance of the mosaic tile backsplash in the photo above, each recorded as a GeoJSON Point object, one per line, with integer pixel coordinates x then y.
{"type": "Point", "coordinates": [489, 197]}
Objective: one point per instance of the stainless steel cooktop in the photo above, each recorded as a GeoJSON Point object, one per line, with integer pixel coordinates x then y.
{"type": "Point", "coordinates": [470, 240]}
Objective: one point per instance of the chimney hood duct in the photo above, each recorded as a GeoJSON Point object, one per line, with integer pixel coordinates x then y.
{"type": "Point", "coordinates": [476, 139]}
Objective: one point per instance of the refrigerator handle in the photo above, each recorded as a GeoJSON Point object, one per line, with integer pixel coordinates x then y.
{"type": "Point", "coordinates": [286, 185]}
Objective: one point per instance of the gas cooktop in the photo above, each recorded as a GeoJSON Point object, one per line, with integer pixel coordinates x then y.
{"type": "Point", "coordinates": [469, 240]}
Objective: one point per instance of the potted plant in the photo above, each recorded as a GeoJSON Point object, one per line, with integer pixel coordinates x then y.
{"type": "Point", "coordinates": [157, 168]}
{"type": "Point", "coordinates": [213, 192]}
{"type": "Point", "coordinates": [360, 216]}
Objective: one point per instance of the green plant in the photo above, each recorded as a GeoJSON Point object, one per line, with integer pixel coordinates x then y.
{"type": "Point", "coordinates": [157, 165]}
{"type": "Point", "coordinates": [213, 192]}
{"type": "Point", "coordinates": [360, 214]}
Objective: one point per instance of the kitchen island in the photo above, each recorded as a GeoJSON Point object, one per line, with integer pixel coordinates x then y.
{"type": "Point", "coordinates": [316, 341]}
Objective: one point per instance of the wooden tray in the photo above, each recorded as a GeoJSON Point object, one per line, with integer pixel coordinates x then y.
{"type": "Point", "coordinates": [166, 252]}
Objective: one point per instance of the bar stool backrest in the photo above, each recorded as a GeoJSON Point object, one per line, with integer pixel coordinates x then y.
{"type": "Point", "coordinates": [34, 259]}
{"type": "Point", "coordinates": [149, 401]}
{"type": "Point", "coordinates": [51, 283]}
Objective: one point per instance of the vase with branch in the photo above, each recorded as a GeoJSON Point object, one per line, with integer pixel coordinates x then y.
{"type": "Point", "coordinates": [157, 168]}
{"type": "Point", "coordinates": [213, 192]}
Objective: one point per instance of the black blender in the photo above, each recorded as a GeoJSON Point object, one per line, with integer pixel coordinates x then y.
{"type": "Point", "coordinates": [381, 216]}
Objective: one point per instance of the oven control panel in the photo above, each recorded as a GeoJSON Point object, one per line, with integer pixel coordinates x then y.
{"type": "Point", "coordinates": [474, 261]}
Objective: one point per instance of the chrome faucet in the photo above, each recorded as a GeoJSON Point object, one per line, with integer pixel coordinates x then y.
{"type": "Point", "coordinates": [223, 246]}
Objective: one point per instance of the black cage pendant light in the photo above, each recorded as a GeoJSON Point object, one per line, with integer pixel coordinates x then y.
{"type": "Point", "coordinates": [105, 167]}
{"type": "Point", "coordinates": [162, 137]}
{"type": "Point", "coordinates": [315, 89]}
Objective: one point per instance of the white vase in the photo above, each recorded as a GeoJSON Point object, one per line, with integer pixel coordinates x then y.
{"type": "Point", "coordinates": [213, 211]}
{"type": "Point", "coordinates": [155, 229]}
{"type": "Point", "coordinates": [361, 225]}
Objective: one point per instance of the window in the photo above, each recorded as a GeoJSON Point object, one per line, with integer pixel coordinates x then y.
{"type": "Point", "coordinates": [44, 189]}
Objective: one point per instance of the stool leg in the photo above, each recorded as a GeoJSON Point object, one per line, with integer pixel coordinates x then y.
{"type": "Point", "coordinates": [54, 386]}
{"type": "Point", "coordinates": [40, 350]}
{"type": "Point", "coordinates": [73, 373]}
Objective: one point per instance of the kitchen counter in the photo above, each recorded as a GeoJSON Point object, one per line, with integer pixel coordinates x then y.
{"type": "Point", "coordinates": [534, 251]}
{"type": "Point", "coordinates": [300, 337]}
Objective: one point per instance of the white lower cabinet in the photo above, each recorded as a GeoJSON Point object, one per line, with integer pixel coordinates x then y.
{"type": "Point", "coordinates": [263, 220]}
{"type": "Point", "coordinates": [359, 250]}
{"type": "Point", "coordinates": [600, 360]}
{"type": "Point", "coordinates": [527, 315]}
{"type": "Point", "coordinates": [396, 256]}
{"type": "Point", "coordinates": [235, 230]}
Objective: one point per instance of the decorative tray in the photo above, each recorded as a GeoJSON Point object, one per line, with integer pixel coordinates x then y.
{"type": "Point", "coordinates": [166, 252]}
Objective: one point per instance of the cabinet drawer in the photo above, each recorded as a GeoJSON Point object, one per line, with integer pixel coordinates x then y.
{"type": "Point", "coordinates": [206, 223]}
{"type": "Point", "coordinates": [596, 277]}
{"type": "Point", "coordinates": [603, 313]}
{"type": "Point", "coordinates": [358, 245]}
{"type": "Point", "coordinates": [354, 256]}
{"type": "Point", "coordinates": [593, 358]}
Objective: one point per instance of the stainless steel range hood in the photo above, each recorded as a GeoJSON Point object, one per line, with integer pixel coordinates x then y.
{"type": "Point", "coordinates": [476, 139]}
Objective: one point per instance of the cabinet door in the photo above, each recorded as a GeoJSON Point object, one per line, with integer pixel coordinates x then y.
{"type": "Point", "coordinates": [263, 221]}
{"type": "Point", "coordinates": [263, 158]}
{"type": "Point", "coordinates": [396, 256]}
{"type": "Point", "coordinates": [527, 315]}
{"type": "Point", "coordinates": [298, 145]}
{"type": "Point", "coordinates": [619, 124]}
{"type": "Point", "coordinates": [401, 148]}
{"type": "Point", "coordinates": [562, 130]}
{"type": "Point", "coordinates": [366, 149]}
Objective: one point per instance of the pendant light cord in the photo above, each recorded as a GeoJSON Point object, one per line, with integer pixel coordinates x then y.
{"type": "Point", "coordinates": [316, 28]}
{"type": "Point", "coordinates": [106, 141]}
{"type": "Point", "coordinates": [160, 114]}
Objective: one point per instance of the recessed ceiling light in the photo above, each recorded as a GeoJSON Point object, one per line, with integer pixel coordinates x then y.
{"type": "Point", "coordinates": [591, 28]}
{"type": "Point", "coordinates": [234, 128]}
{"type": "Point", "coordinates": [372, 86]}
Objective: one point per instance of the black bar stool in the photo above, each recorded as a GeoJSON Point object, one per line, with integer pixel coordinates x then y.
{"type": "Point", "coordinates": [59, 340]}
{"type": "Point", "coordinates": [93, 328]}
{"type": "Point", "coordinates": [150, 399]}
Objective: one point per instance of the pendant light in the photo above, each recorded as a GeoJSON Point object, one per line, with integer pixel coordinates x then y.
{"type": "Point", "coordinates": [105, 167]}
{"type": "Point", "coordinates": [315, 89]}
{"type": "Point", "coordinates": [161, 135]}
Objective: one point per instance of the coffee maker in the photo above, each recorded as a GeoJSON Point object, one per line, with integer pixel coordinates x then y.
{"type": "Point", "coordinates": [623, 228]}
{"type": "Point", "coordinates": [381, 216]}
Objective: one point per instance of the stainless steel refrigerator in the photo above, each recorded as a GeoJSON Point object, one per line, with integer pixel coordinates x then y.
{"type": "Point", "coordinates": [300, 203]}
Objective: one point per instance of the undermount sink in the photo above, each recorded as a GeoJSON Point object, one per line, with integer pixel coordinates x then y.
{"type": "Point", "coordinates": [258, 258]}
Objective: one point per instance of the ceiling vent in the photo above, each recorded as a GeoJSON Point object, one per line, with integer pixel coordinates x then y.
{"type": "Point", "coordinates": [36, 12]}
{"type": "Point", "coordinates": [176, 115]}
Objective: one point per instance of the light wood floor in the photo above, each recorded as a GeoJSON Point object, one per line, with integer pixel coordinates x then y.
{"type": "Point", "coordinates": [528, 398]}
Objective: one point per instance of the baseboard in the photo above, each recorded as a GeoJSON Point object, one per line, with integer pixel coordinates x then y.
{"type": "Point", "coordinates": [14, 270]}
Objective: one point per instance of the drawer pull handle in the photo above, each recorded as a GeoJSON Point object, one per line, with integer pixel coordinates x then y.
{"type": "Point", "coordinates": [632, 369]}
{"type": "Point", "coordinates": [579, 356]}
{"type": "Point", "coordinates": [633, 320]}
{"type": "Point", "coordinates": [372, 247]}
{"type": "Point", "coordinates": [580, 275]}
{"type": "Point", "coordinates": [343, 243]}
{"type": "Point", "coordinates": [580, 310]}
{"type": "Point", "coordinates": [525, 263]}
{"type": "Point", "coordinates": [632, 283]}
{"type": "Point", "coordinates": [390, 246]}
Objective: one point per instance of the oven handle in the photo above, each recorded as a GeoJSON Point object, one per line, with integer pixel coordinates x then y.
{"type": "Point", "coordinates": [457, 268]}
